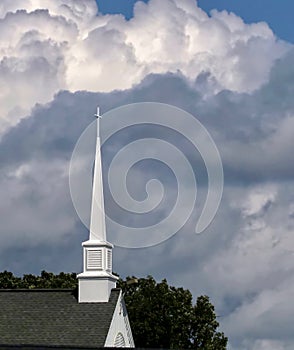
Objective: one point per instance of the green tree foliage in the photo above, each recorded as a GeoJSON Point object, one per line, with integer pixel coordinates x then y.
{"type": "Point", "coordinates": [9, 281]}
{"type": "Point", "coordinates": [161, 316]}
{"type": "Point", "coordinates": [45, 280]}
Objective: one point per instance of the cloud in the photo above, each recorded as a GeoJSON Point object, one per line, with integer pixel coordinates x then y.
{"type": "Point", "coordinates": [32, 191]}
{"type": "Point", "coordinates": [246, 252]}
{"type": "Point", "coordinates": [47, 46]}
{"type": "Point", "coordinates": [267, 312]}
{"type": "Point", "coordinates": [258, 201]}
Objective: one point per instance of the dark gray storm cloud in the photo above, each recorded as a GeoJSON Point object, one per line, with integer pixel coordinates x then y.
{"type": "Point", "coordinates": [242, 256]}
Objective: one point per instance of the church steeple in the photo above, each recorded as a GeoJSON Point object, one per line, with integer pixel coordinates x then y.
{"type": "Point", "coordinates": [97, 280]}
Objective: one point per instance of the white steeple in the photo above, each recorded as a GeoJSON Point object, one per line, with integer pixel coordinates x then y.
{"type": "Point", "coordinates": [97, 224]}
{"type": "Point", "coordinates": [97, 280]}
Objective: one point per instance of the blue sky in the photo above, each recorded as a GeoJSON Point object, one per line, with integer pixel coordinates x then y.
{"type": "Point", "coordinates": [59, 61]}
{"type": "Point", "coordinates": [278, 14]}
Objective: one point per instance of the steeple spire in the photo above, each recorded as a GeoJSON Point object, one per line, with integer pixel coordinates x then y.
{"type": "Point", "coordinates": [97, 223]}
{"type": "Point", "coordinates": [97, 280]}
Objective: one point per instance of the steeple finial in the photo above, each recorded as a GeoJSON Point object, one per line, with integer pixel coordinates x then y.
{"type": "Point", "coordinates": [98, 116]}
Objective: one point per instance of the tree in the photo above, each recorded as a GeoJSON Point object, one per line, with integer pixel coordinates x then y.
{"type": "Point", "coordinates": [45, 280]}
{"type": "Point", "coordinates": [9, 281]}
{"type": "Point", "coordinates": [163, 316]}
{"type": "Point", "coordinates": [204, 325]}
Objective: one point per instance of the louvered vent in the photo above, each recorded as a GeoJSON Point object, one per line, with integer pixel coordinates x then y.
{"type": "Point", "coordinates": [94, 259]}
{"type": "Point", "coordinates": [119, 341]}
{"type": "Point", "coordinates": [109, 262]}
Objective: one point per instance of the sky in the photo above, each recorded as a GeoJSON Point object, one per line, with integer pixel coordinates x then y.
{"type": "Point", "coordinates": [232, 68]}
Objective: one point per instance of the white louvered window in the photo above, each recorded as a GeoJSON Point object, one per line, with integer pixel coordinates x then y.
{"type": "Point", "coordinates": [94, 259]}
{"type": "Point", "coordinates": [119, 341]}
{"type": "Point", "coordinates": [109, 262]}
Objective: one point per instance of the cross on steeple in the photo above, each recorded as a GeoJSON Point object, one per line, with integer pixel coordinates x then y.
{"type": "Point", "coordinates": [98, 116]}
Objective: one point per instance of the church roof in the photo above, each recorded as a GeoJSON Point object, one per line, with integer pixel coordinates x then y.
{"type": "Point", "coordinates": [53, 317]}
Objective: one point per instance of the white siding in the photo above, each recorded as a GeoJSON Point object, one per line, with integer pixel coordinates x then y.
{"type": "Point", "coordinates": [120, 329]}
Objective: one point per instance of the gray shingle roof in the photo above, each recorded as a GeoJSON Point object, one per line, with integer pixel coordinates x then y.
{"type": "Point", "coordinates": [53, 317]}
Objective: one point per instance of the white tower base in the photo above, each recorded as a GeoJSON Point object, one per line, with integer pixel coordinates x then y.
{"type": "Point", "coordinates": [95, 289]}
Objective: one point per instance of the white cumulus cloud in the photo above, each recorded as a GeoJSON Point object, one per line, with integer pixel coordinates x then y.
{"type": "Point", "coordinates": [47, 46]}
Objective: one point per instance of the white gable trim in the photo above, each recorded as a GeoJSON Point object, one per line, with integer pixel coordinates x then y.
{"type": "Point", "coordinates": [120, 327]}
